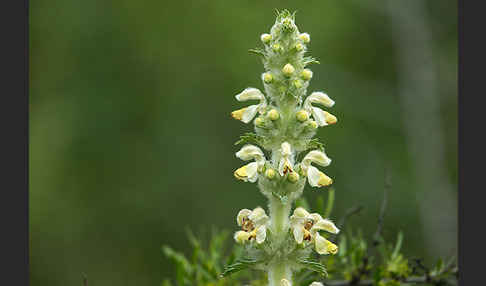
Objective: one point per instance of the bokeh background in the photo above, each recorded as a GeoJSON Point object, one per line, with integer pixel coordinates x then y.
{"type": "Point", "coordinates": [131, 140]}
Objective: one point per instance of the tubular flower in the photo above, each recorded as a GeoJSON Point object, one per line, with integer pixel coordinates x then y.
{"type": "Point", "coordinates": [253, 224]}
{"type": "Point", "coordinates": [249, 172]}
{"type": "Point", "coordinates": [322, 117]}
{"type": "Point", "coordinates": [316, 284]}
{"type": "Point", "coordinates": [315, 177]}
{"type": "Point", "coordinates": [306, 226]}
{"type": "Point", "coordinates": [246, 114]}
{"type": "Point", "coordinates": [285, 282]}
{"type": "Point", "coordinates": [285, 165]}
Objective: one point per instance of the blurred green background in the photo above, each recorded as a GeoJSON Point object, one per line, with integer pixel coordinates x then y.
{"type": "Point", "coordinates": [131, 139]}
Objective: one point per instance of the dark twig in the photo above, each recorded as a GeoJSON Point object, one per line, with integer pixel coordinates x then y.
{"type": "Point", "coordinates": [379, 227]}
{"type": "Point", "coordinates": [85, 280]}
{"type": "Point", "coordinates": [362, 270]}
{"type": "Point", "coordinates": [349, 213]}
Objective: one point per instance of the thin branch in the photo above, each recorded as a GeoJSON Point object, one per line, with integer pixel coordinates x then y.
{"type": "Point", "coordinates": [379, 227]}
{"type": "Point", "coordinates": [349, 213]}
{"type": "Point", "coordinates": [85, 280]}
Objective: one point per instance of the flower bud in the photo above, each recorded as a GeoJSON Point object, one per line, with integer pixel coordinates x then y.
{"type": "Point", "coordinates": [277, 48]}
{"type": "Point", "coordinates": [313, 124]}
{"type": "Point", "coordinates": [293, 177]}
{"type": "Point", "coordinates": [302, 115]}
{"type": "Point", "coordinates": [299, 47]}
{"type": "Point", "coordinates": [259, 122]}
{"type": "Point", "coordinates": [304, 37]}
{"type": "Point", "coordinates": [267, 77]}
{"type": "Point", "coordinates": [288, 70]}
{"type": "Point", "coordinates": [297, 83]}
{"type": "Point", "coordinates": [270, 174]}
{"type": "Point", "coordinates": [273, 114]}
{"type": "Point", "coordinates": [287, 22]}
{"type": "Point", "coordinates": [266, 38]}
{"type": "Point", "coordinates": [306, 74]}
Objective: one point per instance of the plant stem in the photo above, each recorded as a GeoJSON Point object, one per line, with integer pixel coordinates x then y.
{"type": "Point", "coordinates": [279, 217]}
{"type": "Point", "coordinates": [278, 271]}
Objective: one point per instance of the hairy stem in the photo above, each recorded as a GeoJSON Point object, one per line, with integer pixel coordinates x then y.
{"type": "Point", "coordinates": [277, 272]}
{"type": "Point", "coordinates": [279, 216]}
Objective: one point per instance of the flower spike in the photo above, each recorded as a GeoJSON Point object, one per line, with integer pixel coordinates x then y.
{"type": "Point", "coordinates": [285, 119]}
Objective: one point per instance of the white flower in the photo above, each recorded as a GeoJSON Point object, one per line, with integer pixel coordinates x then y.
{"type": "Point", "coordinates": [315, 177]}
{"type": "Point", "coordinates": [306, 226]}
{"type": "Point", "coordinates": [322, 117]}
{"type": "Point", "coordinates": [253, 224]}
{"type": "Point", "coordinates": [246, 114]}
{"type": "Point", "coordinates": [316, 284]}
{"type": "Point", "coordinates": [285, 165]}
{"type": "Point", "coordinates": [249, 172]}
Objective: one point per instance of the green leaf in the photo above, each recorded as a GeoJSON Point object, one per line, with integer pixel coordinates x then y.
{"type": "Point", "coordinates": [398, 245]}
{"type": "Point", "coordinates": [330, 203]}
{"type": "Point", "coordinates": [183, 266]}
{"type": "Point", "coordinates": [310, 60]}
{"type": "Point", "coordinates": [314, 266]}
{"type": "Point", "coordinates": [250, 138]}
{"type": "Point", "coordinates": [239, 265]}
{"type": "Point", "coordinates": [166, 282]}
{"type": "Point", "coordinates": [258, 52]}
{"type": "Point", "coordinates": [315, 144]}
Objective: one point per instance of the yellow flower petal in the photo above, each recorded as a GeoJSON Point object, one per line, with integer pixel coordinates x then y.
{"type": "Point", "coordinates": [317, 178]}
{"type": "Point", "coordinates": [241, 236]}
{"type": "Point", "coordinates": [330, 119]}
{"type": "Point", "coordinates": [238, 114]}
{"type": "Point", "coordinates": [248, 172]}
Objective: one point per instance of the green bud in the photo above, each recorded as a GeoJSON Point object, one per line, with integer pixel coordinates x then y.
{"type": "Point", "coordinates": [299, 47]}
{"type": "Point", "coordinates": [270, 174]}
{"type": "Point", "coordinates": [293, 177]}
{"type": "Point", "coordinates": [266, 38]}
{"type": "Point", "coordinates": [297, 83]}
{"type": "Point", "coordinates": [288, 70]}
{"type": "Point", "coordinates": [302, 115]}
{"type": "Point", "coordinates": [306, 74]}
{"type": "Point", "coordinates": [259, 122]}
{"type": "Point", "coordinates": [267, 77]}
{"type": "Point", "coordinates": [273, 114]}
{"type": "Point", "coordinates": [277, 48]}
